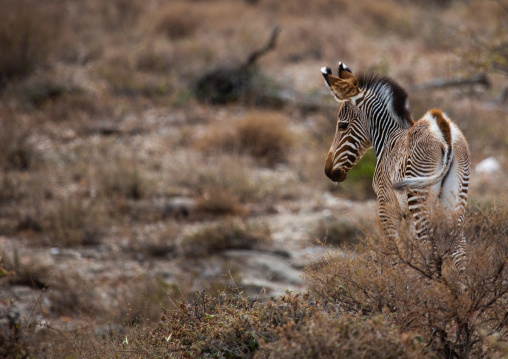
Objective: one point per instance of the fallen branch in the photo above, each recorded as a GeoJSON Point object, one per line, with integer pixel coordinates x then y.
{"type": "Point", "coordinates": [228, 84]}
{"type": "Point", "coordinates": [270, 45]}
{"type": "Point", "coordinates": [480, 79]}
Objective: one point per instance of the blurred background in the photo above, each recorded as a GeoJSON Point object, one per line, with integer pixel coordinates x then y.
{"type": "Point", "coordinates": [150, 149]}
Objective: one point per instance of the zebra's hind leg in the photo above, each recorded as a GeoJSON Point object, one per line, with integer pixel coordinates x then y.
{"type": "Point", "coordinates": [459, 254]}
{"type": "Point", "coordinates": [425, 240]}
{"type": "Point", "coordinates": [459, 246]}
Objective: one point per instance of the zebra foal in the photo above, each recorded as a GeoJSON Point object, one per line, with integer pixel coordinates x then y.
{"type": "Point", "coordinates": [420, 164]}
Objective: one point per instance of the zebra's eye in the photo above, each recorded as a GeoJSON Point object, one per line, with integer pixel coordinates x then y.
{"type": "Point", "coordinates": [343, 125]}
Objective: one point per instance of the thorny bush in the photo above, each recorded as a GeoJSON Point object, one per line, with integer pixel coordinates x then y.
{"type": "Point", "coordinates": [418, 290]}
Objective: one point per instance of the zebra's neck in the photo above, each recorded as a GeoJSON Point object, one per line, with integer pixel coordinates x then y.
{"type": "Point", "coordinates": [382, 119]}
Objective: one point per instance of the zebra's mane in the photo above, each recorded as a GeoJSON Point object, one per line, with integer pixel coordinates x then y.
{"type": "Point", "coordinates": [399, 99]}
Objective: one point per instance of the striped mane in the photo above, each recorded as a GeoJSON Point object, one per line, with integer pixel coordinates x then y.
{"type": "Point", "coordinates": [395, 98]}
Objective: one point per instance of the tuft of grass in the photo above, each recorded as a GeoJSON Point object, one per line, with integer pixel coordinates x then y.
{"type": "Point", "coordinates": [145, 300]}
{"type": "Point", "coordinates": [28, 30]}
{"type": "Point", "coordinates": [16, 150]}
{"type": "Point", "coordinates": [394, 18]}
{"type": "Point", "coordinates": [74, 222]}
{"type": "Point", "coordinates": [263, 135]}
{"type": "Point", "coordinates": [219, 202]}
{"type": "Point", "coordinates": [224, 326]}
{"type": "Point", "coordinates": [177, 20]}
{"type": "Point", "coordinates": [154, 245]}
{"type": "Point", "coordinates": [344, 337]}
{"type": "Point", "coordinates": [68, 295]}
{"type": "Point", "coordinates": [123, 179]}
{"type": "Point", "coordinates": [337, 232]}
{"type": "Point", "coordinates": [30, 271]}
{"type": "Point", "coordinates": [154, 57]}
{"type": "Point", "coordinates": [122, 14]}
{"type": "Point", "coordinates": [228, 234]}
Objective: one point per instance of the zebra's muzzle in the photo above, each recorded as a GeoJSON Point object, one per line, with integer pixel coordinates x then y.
{"type": "Point", "coordinates": [335, 175]}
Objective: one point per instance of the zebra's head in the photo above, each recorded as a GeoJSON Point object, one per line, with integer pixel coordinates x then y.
{"type": "Point", "coordinates": [350, 143]}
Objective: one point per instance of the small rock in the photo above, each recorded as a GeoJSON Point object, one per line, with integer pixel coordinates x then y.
{"type": "Point", "coordinates": [488, 166]}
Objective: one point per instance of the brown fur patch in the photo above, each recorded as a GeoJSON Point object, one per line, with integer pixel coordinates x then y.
{"type": "Point", "coordinates": [343, 89]}
{"type": "Point", "coordinates": [443, 125]}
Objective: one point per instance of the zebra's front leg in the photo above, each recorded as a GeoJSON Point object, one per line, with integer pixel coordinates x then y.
{"type": "Point", "coordinates": [390, 218]}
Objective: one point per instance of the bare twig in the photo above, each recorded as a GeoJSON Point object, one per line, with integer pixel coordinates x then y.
{"type": "Point", "coordinates": [270, 45]}
{"type": "Point", "coordinates": [479, 79]}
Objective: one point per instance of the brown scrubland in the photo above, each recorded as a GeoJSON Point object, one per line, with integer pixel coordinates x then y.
{"type": "Point", "coordinates": [162, 196]}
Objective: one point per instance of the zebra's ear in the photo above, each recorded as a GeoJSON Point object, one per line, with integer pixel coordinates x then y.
{"type": "Point", "coordinates": [342, 88]}
{"type": "Point", "coordinates": [345, 73]}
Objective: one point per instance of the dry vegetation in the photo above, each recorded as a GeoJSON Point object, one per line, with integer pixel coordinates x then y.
{"type": "Point", "coordinates": [139, 222]}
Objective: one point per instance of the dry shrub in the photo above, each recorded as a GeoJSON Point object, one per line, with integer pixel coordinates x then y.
{"type": "Point", "coordinates": [74, 222]}
{"type": "Point", "coordinates": [154, 57]}
{"type": "Point", "coordinates": [228, 234]}
{"type": "Point", "coordinates": [70, 295]}
{"type": "Point", "coordinates": [343, 337]}
{"type": "Point", "coordinates": [16, 150]}
{"type": "Point", "coordinates": [262, 135]}
{"type": "Point", "coordinates": [14, 335]}
{"type": "Point", "coordinates": [304, 8]}
{"type": "Point", "coordinates": [177, 20]}
{"type": "Point", "coordinates": [59, 99]}
{"type": "Point", "coordinates": [231, 326]}
{"type": "Point", "coordinates": [417, 290]}
{"type": "Point", "coordinates": [119, 70]}
{"type": "Point", "coordinates": [143, 302]}
{"type": "Point", "coordinates": [154, 245]}
{"type": "Point", "coordinates": [122, 14]}
{"type": "Point", "coordinates": [28, 30]}
{"type": "Point", "coordinates": [122, 178]}
{"type": "Point", "coordinates": [388, 16]}
{"type": "Point", "coordinates": [337, 232]}
{"type": "Point", "coordinates": [219, 202]}
{"type": "Point", "coordinates": [24, 270]}
{"type": "Point", "coordinates": [226, 326]}
{"type": "Point", "coordinates": [486, 136]}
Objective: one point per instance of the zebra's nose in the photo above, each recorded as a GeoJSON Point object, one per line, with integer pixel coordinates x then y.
{"type": "Point", "coordinates": [336, 175]}
{"type": "Point", "coordinates": [329, 165]}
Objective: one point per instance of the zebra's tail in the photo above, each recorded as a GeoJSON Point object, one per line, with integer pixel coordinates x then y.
{"type": "Point", "coordinates": [425, 182]}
